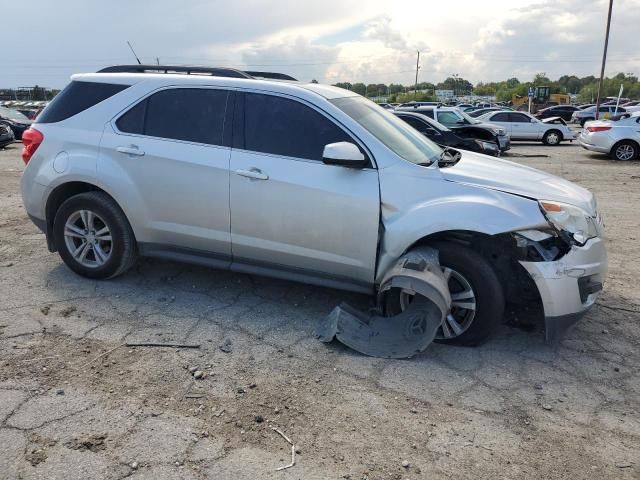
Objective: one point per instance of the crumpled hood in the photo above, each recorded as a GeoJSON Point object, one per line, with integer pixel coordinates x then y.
{"type": "Point", "coordinates": [489, 172]}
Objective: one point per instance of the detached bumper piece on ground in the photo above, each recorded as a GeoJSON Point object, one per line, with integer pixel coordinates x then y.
{"type": "Point", "coordinates": [402, 335]}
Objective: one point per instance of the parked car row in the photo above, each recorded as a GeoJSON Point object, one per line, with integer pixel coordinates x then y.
{"type": "Point", "coordinates": [445, 137]}
{"type": "Point", "coordinates": [463, 125]}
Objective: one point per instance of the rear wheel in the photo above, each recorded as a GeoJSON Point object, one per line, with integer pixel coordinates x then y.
{"type": "Point", "coordinates": [552, 137]}
{"type": "Point", "coordinates": [625, 150]}
{"type": "Point", "coordinates": [477, 297]}
{"type": "Point", "coordinates": [93, 236]}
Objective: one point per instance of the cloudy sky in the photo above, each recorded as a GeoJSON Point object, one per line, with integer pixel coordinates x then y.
{"type": "Point", "coordinates": [330, 40]}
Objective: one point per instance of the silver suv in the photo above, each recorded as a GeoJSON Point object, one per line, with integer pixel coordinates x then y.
{"type": "Point", "coordinates": [304, 182]}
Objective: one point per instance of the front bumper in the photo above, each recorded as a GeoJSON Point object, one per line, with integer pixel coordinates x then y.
{"type": "Point", "coordinates": [504, 142]}
{"type": "Point", "coordinates": [570, 286]}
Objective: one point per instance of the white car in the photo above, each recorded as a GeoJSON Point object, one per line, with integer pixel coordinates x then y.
{"type": "Point", "coordinates": [620, 140]}
{"type": "Point", "coordinates": [523, 126]}
{"type": "Point", "coordinates": [589, 113]}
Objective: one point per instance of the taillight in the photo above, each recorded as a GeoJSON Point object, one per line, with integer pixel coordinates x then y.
{"type": "Point", "coordinates": [598, 129]}
{"type": "Point", "coordinates": [31, 138]}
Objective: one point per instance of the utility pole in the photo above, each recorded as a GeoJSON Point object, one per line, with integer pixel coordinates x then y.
{"type": "Point", "coordinates": [415, 88]}
{"type": "Point", "coordinates": [604, 60]}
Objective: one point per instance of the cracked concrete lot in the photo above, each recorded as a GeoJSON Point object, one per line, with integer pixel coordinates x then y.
{"type": "Point", "coordinates": [75, 403]}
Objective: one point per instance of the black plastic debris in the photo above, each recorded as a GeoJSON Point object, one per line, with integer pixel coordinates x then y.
{"type": "Point", "coordinates": [403, 335]}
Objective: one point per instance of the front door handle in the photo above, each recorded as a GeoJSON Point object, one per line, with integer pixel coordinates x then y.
{"type": "Point", "coordinates": [130, 150]}
{"type": "Point", "coordinates": [254, 173]}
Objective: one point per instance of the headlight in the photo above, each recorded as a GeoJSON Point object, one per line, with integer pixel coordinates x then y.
{"type": "Point", "coordinates": [571, 220]}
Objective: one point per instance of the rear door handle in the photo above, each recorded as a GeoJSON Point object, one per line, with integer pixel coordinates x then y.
{"type": "Point", "coordinates": [130, 150]}
{"type": "Point", "coordinates": [253, 173]}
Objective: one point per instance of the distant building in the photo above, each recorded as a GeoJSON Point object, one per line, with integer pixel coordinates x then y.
{"type": "Point", "coordinates": [444, 94]}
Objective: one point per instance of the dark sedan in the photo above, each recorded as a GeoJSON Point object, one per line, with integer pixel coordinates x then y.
{"type": "Point", "coordinates": [15, 120]}
{"type": "Point", "coordinates": [464, 125]}
{"type": "Point", "coordinates": [6, 136]}
{"type": "Point", "coordinates": [445, 137]}
{"type": "Point", "coordinates": [563, 111]}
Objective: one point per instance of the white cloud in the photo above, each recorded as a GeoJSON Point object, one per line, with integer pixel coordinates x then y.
{"type": "Point", "coordinates": [333, 40]}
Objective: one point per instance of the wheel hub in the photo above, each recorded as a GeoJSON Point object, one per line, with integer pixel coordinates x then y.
{"type": "Point", "coordinates": [624, 152]}
{"type": "Point", "coordinates": [463, 305]}
{"type": "Point", "coordinates": [88, 238]}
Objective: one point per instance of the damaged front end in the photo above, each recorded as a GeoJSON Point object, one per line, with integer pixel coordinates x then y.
{"type": "Point", "coordinates": [568, 277]}
{"type": "Point", "coordinates": [402, 335]}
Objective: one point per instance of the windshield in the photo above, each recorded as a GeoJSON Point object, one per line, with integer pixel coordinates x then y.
{"type": "Point", "coordinates": [398, 136]}
{"type": "Point", "coordinates": [12, 114]}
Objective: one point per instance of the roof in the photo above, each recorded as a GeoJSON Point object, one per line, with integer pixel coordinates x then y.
{"type": "Point", "coordinates": [240, 81]}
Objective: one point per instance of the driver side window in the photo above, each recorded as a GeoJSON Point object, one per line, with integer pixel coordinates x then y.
{"type": "Point", "coordinates": [285, 127]}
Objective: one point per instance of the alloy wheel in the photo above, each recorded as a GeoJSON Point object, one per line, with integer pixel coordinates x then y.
{"type": "Point", "coordinates": [625, 152]}
{"type": "Point", "coordinates": [88, 239]}
{"type": "Point", "coordinates": [463, 305]}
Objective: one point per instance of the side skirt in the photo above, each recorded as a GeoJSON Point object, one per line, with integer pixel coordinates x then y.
{"type": "Point", "coordinates": [225, 262]}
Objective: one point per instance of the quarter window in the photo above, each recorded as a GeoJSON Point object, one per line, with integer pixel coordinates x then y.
{"type": "Point", "coordinates": [77, 97]}
{"type": "Point", "coordinates": [189, 114]}
{"type": "Point", "coordinates": [285, 127]}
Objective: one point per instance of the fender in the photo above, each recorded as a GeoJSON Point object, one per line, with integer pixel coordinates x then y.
{"type": "Point", "coordinates": [417, 206]}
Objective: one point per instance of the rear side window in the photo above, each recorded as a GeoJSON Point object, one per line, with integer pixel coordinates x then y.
{"type": "Point", "coordinates": [76, 98]}
{"type": "Point", "coordinates": [285, 127]}
{"type": "Point", "coordinates": [190, 114]}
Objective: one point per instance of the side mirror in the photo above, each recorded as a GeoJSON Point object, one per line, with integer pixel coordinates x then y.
{"type": "Point", "coordinates": [344, 154]}
{"type": "Point", "coordinates": [534, 120]}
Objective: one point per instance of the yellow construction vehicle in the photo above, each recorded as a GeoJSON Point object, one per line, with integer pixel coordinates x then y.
{"type": "Point", "coordinates": [542, 98]}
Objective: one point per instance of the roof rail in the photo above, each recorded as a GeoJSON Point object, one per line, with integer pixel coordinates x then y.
{"type": "Point", "coordinates": [213, 71]}
{"type": "Point", "coordinates": [271, 75]}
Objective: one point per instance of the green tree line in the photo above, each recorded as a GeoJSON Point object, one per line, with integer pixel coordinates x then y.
{"type": "Point", "coordinates": [586, 88]}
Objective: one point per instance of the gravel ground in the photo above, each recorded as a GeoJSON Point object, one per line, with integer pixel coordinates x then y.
{"type": "Point", "coordinates": [76, 404]}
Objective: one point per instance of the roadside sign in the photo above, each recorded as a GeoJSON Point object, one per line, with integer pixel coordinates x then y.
{"type": "Point", "coordinates": [530, 94]}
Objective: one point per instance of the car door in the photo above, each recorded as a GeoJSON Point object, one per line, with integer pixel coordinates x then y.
{"type": "Point", "coordinates": [166, 160]}
{"type": "Point", "coordinates": [291, 214]}
{"type": "Point", "coordinates": [522, 128]}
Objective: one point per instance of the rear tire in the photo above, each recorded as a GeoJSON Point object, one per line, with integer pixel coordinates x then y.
{"type": "Point", "coordinates": [475, 270]}
{"type": "Point", "coordinates": [625, 150]}
{"type": "Point", "coordinates": [93, 236]}
{"type": "Point", "coordinates": [552, 138]}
